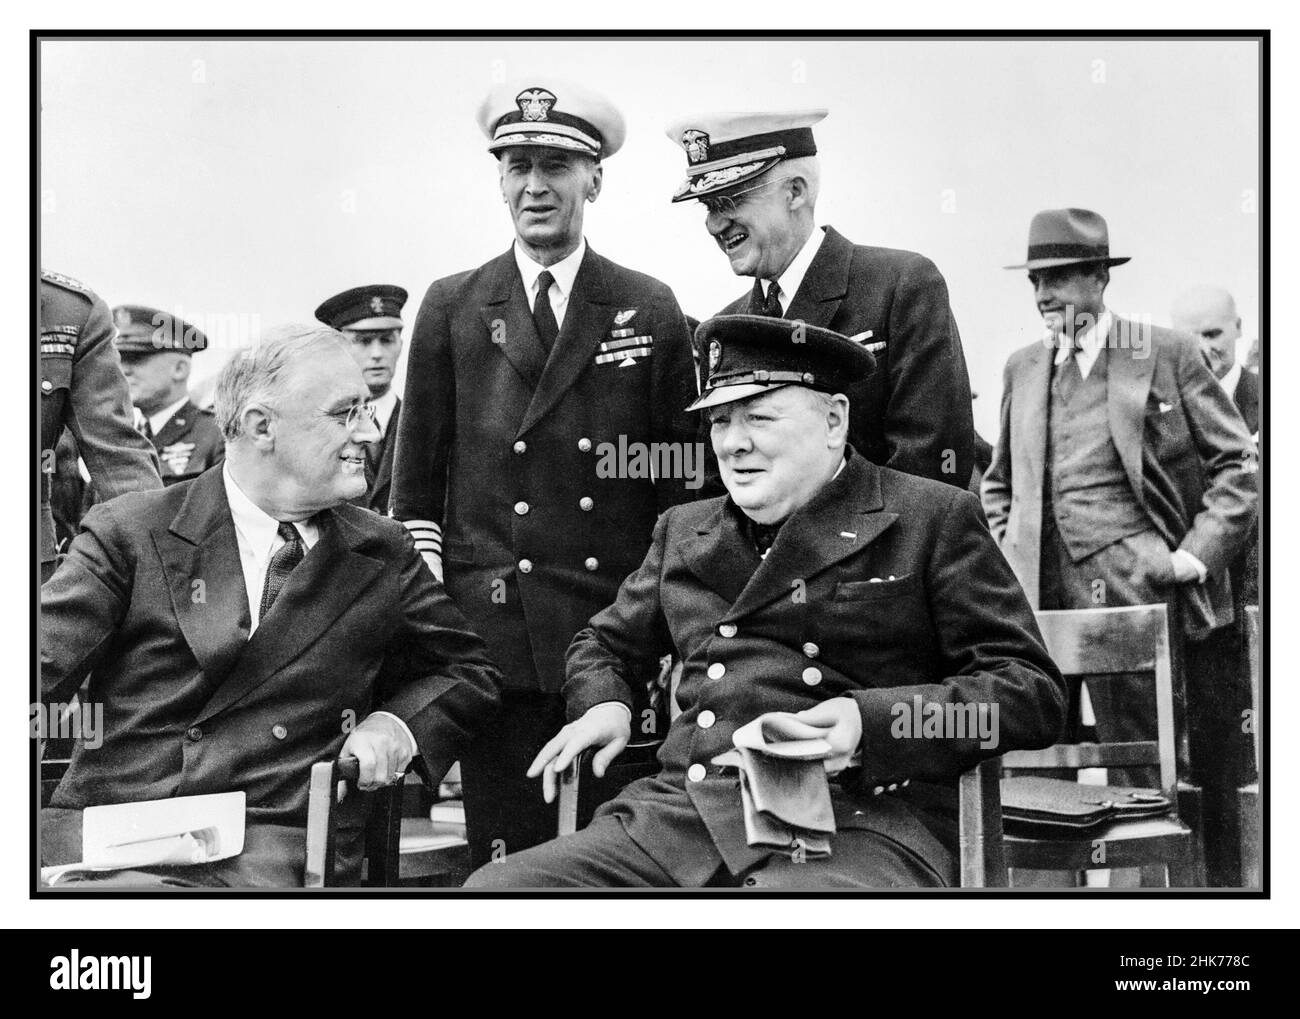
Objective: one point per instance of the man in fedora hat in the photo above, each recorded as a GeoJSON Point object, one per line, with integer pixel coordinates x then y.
{"type": "Point", "coordinates": [821, 585]}
{"type": "Point", "coordinates": [371, 319]}
{"type": "Point", "coordinates": [524, 374]}
{"type": "Point", "coordinates": [1123, 474]}
{"type": "Point", "coordinates": [758, 177]}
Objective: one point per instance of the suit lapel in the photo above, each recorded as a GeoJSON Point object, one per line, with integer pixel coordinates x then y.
{"type": "Point", "coordinates": [509, 320]}
{"type": "Point", "coordinates": [176, 427]}
{"type": "Point", "coordinates": [586, 322]}
{"type": "Point", "coordinates": [322, 587]}
{"type": "Point", "coordinates": [720, 555]}
{"type": "Point", "coordinates": [825, 284]}
{"type": "Point", "coordinates": [838, 523]}
{"type": "Point", "coordinates": [385, 467]}
{"type": "Point", "coordinates": [200, 559]}
{"type": "Point", "coordinates": [1029, 416]}
{"type": "Point", "coordinates": [1128, 383]}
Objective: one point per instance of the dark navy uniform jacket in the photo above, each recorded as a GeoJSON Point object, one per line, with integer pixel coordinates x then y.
{"type": "Point", "coordinates": [913, 414]}
{"type": "Point", "coordinates": [187, 426]}
{"type": "Point", "coordinates": [504, 449]}
{"type": "Point", "coordinates": [885, 588]}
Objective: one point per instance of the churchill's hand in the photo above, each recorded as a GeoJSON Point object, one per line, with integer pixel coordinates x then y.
{"type": "Point", "coordinates": [608, 726]}
{"type": "Point", "coordinates": [842, 720]}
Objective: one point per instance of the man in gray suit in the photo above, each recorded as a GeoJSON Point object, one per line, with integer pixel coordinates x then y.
{"type": "Point", "coordinates": [1123, 474]}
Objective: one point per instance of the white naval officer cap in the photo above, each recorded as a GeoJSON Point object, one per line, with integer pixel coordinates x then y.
{"type": "Point", "coordinates": [547, 111]}
{"type": "Point", "coordinates": [723, 149]}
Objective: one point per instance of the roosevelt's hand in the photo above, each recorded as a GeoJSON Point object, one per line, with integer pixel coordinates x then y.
{"type": "Point", "coordinates": [607, 726]}
{"type": "Point", "coordinates": [382, 750]}
{"type": "Point", "coordinates": [842, 720]}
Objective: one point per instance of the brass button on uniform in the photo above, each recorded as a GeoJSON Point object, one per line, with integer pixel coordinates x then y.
{"type": "Point", "coordinates": [193, 734]}
{"type": "Point", "coordinates": [586, 503]}
{"type": "Point", "coordinates": [592, 564]}
{"type": "Point", "coordinates": [584, 445]}
{"type": "Point", "coordinates": [717, 670]}
{"type": "Point", "coordinates": [521, 508]}
{"type": "Point", "coordinates": [520, 446]}
{"type": "Point", "coordinates": [727, 630]}
{"type": "Point", "coordinates": [696, 772]}
{"type": "Point", "coordinates": [279, 731]}
{"type": "Point", "coordinates": [812, 675]}
{"type": "Point", "coordinates": [706, 719]}
{"type": "Point", "coordinates": [525, 566]}
{"type": "Point", "coordinates": [811, 650]}
{"type": "Point", "coordinates": [46, 385]}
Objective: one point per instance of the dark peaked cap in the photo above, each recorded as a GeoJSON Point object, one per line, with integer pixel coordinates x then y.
{"type": "Point", "coordinates": [750, 354]}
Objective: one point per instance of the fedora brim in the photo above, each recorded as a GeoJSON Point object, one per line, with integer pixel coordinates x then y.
{"type": "Point", "coordinates": [1054, 263]}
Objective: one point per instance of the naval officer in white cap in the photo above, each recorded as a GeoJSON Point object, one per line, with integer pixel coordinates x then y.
{"type": "Point", "coordinates": [522, 373]}
{"type": "Point", "coordinates": [758, 176]}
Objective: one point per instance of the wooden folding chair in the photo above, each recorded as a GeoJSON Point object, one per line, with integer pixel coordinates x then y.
{"type": "Point", "coordinates": [1248, 801]}
{"type": "Point", "coordinates": [398, 850]}
{"type": "Point", "coordinates": [1100, 643]}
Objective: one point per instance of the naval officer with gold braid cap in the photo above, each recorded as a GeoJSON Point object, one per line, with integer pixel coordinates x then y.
{"type": "Point", "coordinates": [521, 372]}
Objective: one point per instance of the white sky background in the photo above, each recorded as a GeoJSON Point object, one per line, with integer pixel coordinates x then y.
{"type": "Point", "coordinates": [256, 178]}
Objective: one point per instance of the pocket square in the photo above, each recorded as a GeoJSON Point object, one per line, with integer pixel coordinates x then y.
{"type": "Point", "coordinates": [1165, 408]}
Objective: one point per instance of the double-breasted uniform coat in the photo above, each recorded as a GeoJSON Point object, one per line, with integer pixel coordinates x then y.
{"type": "Point", "coordinates": [530, 468]}
{"type": "Point", "coordinates": [884, 588]}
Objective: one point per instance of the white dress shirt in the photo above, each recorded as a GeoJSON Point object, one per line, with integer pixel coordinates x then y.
{"type": "Point", "coordinates": [1087, 344]}
{"type": "Point", "coordinates": [257, 534]}
{"type": "Point", "coordinates": [384, 407]}
{"type": "Point", "coordinates": [565, 272]}
{"type": "Point", "coordinates": [789, 282]}
{"type": "Point", "coordinates": [1229, 381]}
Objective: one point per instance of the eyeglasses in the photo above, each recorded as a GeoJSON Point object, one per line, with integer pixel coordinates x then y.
{"type": "Point", "coordinates": [726, 205]}
{"type": "Point", "coordinates": [353, 415]}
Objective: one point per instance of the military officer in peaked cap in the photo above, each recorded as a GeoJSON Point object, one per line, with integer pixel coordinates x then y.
{"type": "Point", "coordinates": [371, 319]}
{"type": "Point", "coordinates": [528, 377]}
{"type": "Point", "coordinates": [156, 348]}
{"type": "Point", "coordinates": [82, 389]}
{"type": "Point", "coordinates": [823, 585]}
{"type": "Point", "coordinates": [758, 177]}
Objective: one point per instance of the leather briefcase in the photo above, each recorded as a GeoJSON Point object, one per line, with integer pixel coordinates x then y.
{"type": "Point", "coordinates": [1045, 806]}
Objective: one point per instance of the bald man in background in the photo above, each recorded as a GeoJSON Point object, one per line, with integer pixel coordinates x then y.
{"type": "Point", "coordinates": [1209, 313]}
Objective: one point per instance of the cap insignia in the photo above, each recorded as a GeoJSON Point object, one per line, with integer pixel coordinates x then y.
{"type": "Point", "coordinates": [697, 146]}
{"type": "Point", "coordinates": [535, 104]}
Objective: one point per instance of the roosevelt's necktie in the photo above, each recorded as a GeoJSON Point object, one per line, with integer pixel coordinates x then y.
{"type": "Point", "coordinates": [283, 561]}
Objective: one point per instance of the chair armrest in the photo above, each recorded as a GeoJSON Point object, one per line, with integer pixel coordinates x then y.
{"type": "Point", "coordinates": [636, 761]}
{"type": "Point", "coordinates": [330, 784]}
{"type": "Point", "coordinates": [979, 836]}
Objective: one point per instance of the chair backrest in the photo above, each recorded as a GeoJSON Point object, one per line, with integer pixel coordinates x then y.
{"type": "Point", "coordinates": [1105, 642]}
{"type": "Point", "coordinates": [1254, 647]}
{"type": "Point", "coordinates": [332, 782]}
